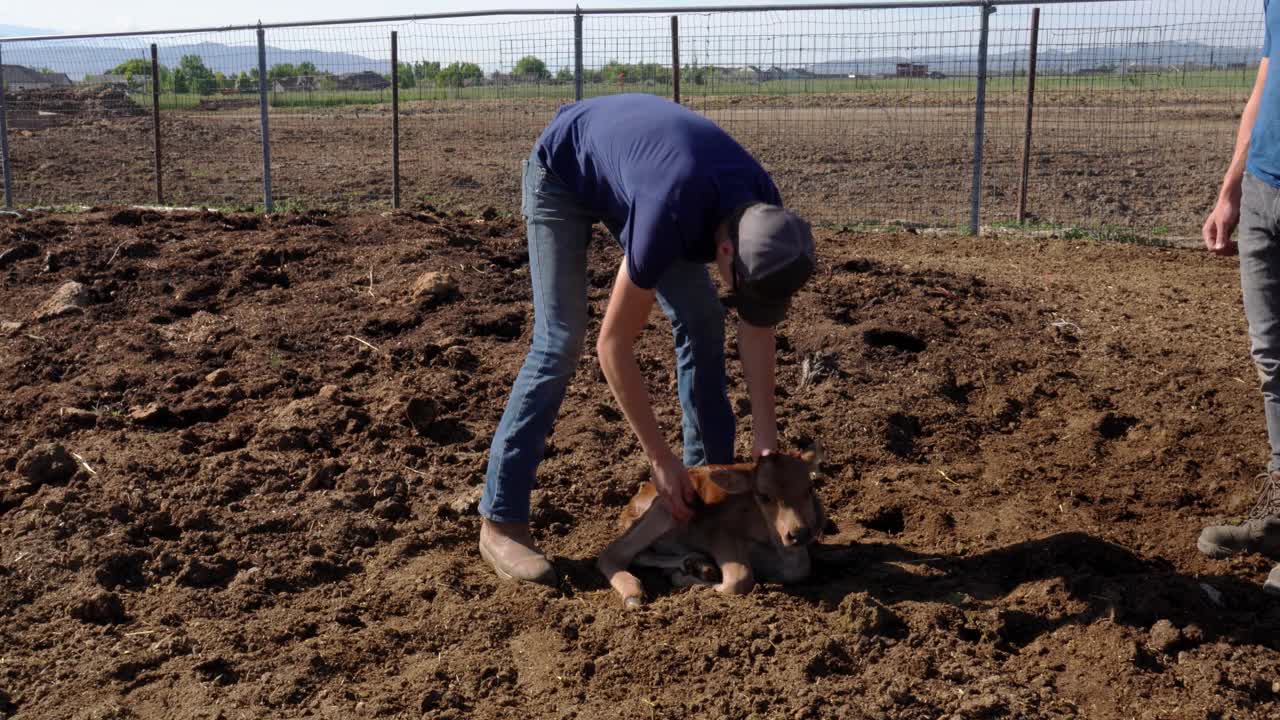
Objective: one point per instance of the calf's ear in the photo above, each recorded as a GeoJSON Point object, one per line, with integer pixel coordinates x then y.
{"type": "Point", "coordinates": [732, 481]}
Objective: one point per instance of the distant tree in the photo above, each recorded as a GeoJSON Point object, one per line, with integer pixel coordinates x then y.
{"type": "Point", "coordinates": [244, 83]}
{"type": "Point", "coordinates": [281, 71]}
{"type": "Point", "coordinates": [531, 67]}
{"type": "Point", "coordinates": [129, 68]}
{"type": "Point", "coordinates": [222, 81]}
{"type": "Point", "coordinates": [426, 73]}
{"type": "Point", "coordinates": [197, 78]}
{"type": "Point", "coordinates": [141, 68]}
{"type": "Point", "coordinates": [307, 68]}
{"type": "Point", "coordinates": [407, 79]}
{"type": "Point", "coordinates": [703, 75]}
{"type": "Point", "coordinates": [459, 74]}
{"type": "Point", "coordinates": [564, 75]}
{"type": "Point", "coordinates": [615, 72]}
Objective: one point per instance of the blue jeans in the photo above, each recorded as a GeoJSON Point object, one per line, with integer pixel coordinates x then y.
{"type": "Point", "coordinates": [1259, 243]}
{"type": "Point", "coordinates": [559, 229]}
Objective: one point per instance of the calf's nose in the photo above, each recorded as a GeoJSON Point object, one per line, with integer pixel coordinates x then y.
{"type": "Point", "coordinates": [800, 536]}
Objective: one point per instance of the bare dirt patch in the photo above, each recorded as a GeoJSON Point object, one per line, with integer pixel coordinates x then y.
{"type": "Point", "coordinates": [242, 482]}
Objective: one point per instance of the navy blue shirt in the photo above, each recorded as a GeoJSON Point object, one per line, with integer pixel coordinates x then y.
{"type": "Point", "coordinates": [1264, 143]}
{"type": "Point", "coordinates": [661, 176]}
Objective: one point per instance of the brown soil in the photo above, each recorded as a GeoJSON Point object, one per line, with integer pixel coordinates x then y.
{"type": "Point", "coordinates": [217, 500]}
{"type": "Point", "coordinates": [1147, 163]}
{"type": "Point", "coordinates": [235, 103]}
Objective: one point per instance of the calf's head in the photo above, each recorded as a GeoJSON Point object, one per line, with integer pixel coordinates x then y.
{"type": "Point", "coordinates": [782, 487]}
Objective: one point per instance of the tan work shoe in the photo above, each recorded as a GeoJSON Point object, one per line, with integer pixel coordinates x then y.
{"type": "Point", "coordinates": [509, 549]}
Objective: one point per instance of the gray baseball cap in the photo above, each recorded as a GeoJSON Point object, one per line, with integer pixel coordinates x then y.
{"type": "Point", "coordinates": [773, 259]}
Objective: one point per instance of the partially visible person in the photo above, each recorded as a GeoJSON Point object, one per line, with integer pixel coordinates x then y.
{"type": "Point", "coordinates": [1250, 199]}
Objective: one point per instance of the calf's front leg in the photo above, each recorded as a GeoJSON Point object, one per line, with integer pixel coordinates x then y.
{"type": "Point", "coordinates": [734, 560]}
{"type": "Point", "coordinates": [616, 558]}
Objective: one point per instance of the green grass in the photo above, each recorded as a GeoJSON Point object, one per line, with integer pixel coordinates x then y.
{"type": "Point", "coordinates": [1157, 236]}
{"type": "Point", "coordinates": [1227, 83]}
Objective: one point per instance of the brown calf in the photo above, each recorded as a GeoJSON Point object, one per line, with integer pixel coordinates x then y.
{"type": "Point", "coordinates": [754, 520]}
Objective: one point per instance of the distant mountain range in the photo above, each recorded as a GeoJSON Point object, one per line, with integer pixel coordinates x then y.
{"type": "Point", "coordinates": [79, 60]}
{"type": "Point", "coordinates": [98, 56]}
{"type": "Point", "coordinates": [1053, 60]}
{"type": "Point", "coordinates": [19, 30]}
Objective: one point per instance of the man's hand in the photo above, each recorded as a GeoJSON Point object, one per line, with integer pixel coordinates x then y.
{"type": "Point", "coordinates": [1222, 222]}
{"type": "Point", "coordinates": [671, 478]}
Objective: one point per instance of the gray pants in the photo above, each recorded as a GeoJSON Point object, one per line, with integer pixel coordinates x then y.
{"type": "Point", "coordinates": [1259, 243]}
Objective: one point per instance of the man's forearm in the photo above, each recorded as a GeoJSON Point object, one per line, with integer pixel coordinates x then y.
{"type": "Point", "coordinates": [758, 349]}
{"type": "Point", "coordinates": [1235, 172]}
{"type": "Point", "coordinates": [618, 362]}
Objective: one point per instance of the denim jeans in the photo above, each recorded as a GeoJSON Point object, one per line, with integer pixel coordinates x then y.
{"type": "Point", "coordinates": [559, 230]}
{"type": "Point", "coordinates": [1259, 243]}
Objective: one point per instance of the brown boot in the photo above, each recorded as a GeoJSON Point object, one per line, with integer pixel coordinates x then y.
{"type": "Point", "coordinates": [1260, 533]}
{"type": "Point", "coordinates": [509, 549]}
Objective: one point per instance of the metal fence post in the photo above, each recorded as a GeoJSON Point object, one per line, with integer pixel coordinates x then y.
{"type": "Point", "coordinates": [1031, 104]}
{"type": "Point", "coordinates": [155, 120]}
{"type": "Point", "coordinates": [577, 55]}
{"type": "Point", "coordinates": [4, 140]}
{"type": "Point", "coordinates": [395, 120]}
{"type": "Point", "coordinates": [675, 58]}
{"type": "Point", "coordinates": [980, 120]}
{"type": "Point", "coordinates": [266, 127]}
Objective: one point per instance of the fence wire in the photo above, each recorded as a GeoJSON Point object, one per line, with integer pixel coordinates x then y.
{"type": "Point", "coordinates": [864, 116]}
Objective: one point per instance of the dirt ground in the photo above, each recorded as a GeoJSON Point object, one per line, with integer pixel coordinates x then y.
{"type": "Point", "coordinates": [238, 473]}
{"type": "Point", "coordinates": [1143, 162]}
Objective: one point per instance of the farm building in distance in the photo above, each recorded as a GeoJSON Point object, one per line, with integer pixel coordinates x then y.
{"type": "Point", "coordinates": [776, 73]}
{"type": "Point", "coordinates": [17, 77]}
{"type": "Point", "coordinates": [915, 70]}
{"type": "Point", "coordinates": [307, 83]}
{"type": "Point", "coordinates": [367, 80]}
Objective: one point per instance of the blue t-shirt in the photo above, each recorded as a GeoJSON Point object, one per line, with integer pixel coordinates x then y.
{"type": "Point", "coordinates": [659, 175]}
{"type": "Point", "coordinates": [1264, 143]}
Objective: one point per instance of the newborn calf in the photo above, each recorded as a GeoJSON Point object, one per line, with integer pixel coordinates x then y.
{"type": "Point", "coordinates": [754, 521]}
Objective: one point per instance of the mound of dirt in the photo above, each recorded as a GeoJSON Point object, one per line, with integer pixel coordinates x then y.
{"type": "Point", "coordinates": [42, 108]}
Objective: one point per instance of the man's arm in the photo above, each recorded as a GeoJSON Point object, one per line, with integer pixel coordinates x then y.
{"type": "Point", "coordinates": [629, 308]}
{"type": "Point", "coordinates": [1226, 213]}
{"type": "Point", "coordinates": [758, 349]}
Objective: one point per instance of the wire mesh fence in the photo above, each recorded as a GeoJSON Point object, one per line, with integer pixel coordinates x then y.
{"type": "Point", "coordinates": [863, 114]}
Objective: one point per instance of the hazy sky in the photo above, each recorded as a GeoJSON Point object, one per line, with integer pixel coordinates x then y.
{"type": "Point", "coordinates": [791, 39]}
{"type": "Point", "coordinates": [97, 16]}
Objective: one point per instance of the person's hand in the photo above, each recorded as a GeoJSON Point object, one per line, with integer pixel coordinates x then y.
{"type": "Point", "coordinates": [1221, 223]}
{"type": "Point", "coordinates": [671, 478]}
